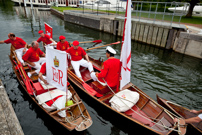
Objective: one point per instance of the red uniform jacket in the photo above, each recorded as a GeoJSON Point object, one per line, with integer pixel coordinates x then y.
{"type": "Point", "coordinates": [43, 69]}
{"type": "Point", "coordinates": [45, 39]}
{"type": "Point", "coordinates": [76, 54]}
{"type": "Point", "coordinates": [32, 55]}
{"type": "Point", "coordinates": [63, 46]}
{"type": "Point", "coordinates": [18, 43]}
{"type": "Point", "coordinates": [110, 72]}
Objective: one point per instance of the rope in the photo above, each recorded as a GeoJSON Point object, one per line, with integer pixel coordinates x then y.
{"type": "Point", "coordinates": [158, 104]}
{"type": "Point", "coordinates": [143, 115]}
{"type": "Point", "coordinates": [85, 117]}
{"type": "Point", "coordinates": [66, 118]}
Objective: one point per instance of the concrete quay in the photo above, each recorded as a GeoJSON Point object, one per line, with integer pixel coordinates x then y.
{"type": "Point", "coordinates": [9, 124]}
{"type": "Point", "coordinates": [157, 33]}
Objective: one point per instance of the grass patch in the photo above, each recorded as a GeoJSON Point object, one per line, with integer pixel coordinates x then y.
{"type": "Point", "coordinates": [193, 20]}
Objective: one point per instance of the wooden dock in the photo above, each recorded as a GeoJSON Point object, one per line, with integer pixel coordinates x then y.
{"type": "Point", "coordinates": [9, 124]}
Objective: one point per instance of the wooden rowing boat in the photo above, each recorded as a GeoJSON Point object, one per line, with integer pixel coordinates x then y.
{"type": "Point", "coordinates": [146, 113]}
{"type": "Point", "coordinates": [80, 118]}
{"type": "Point", "coordinates": [181, 112]}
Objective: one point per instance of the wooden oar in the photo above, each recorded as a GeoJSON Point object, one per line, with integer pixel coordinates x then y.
{"type": "Point", "coordinates": [103, 46]}
{"type": "Point", "coordinates": [95, 41]}
{"type": "Point", "coordinates": [27, 83]}
{"type": "Point", "coordinates": [90, 90]}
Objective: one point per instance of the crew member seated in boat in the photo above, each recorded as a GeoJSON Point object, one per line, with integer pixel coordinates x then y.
{"type": "Point", "coordinates": [77, 53]}
{"type": "Point", "coordinates": [196, 119]}
{"type": "Point", "coordinates": [110, 73]}
{"type": "Point", "coordinates": [45, 38]}
{"type": "Point", "coordinates": [33, 59]}
{"type": "Point", "coordinates": [19, 44]}
{"type": "Point", "coordinates": [62, 45]}
{"type": "Point", "coordinates": [42, 72]}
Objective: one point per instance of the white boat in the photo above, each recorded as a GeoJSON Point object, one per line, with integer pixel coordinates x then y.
{"type": "Point", "coordinates": [197, 11]}
{"type": "Point", "coordinates": [112, 5]}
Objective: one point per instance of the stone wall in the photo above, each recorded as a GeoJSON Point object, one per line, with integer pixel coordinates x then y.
{"type": "Point", "coordinates": [9, 124]}
{"type": "Point", "coordinates": [189, 44]}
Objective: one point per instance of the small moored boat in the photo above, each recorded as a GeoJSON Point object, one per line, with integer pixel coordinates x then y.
{"type": "Point", "coordinates": [181, 112]}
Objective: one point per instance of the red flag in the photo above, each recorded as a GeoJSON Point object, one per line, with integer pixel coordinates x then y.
{"type": "Point", "coordinates": [49, 30]}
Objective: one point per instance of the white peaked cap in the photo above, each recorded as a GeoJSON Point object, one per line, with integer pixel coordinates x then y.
{"type": "Point", "coordinates": [111, 50]}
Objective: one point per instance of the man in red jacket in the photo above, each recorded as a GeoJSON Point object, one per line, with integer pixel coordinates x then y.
{"type": "Point", "coordinates": [45, 38]}
{"type": "Point", "coordinates": [110, 73]}
{"type": "Point", "coordinates": [33, 59]}
{"type": "Point", "coordinates": [77, 53]}
{"type": "Point", "coordinates": [18, 43]}
{"type": "Point", "coordinates": [62, 45]}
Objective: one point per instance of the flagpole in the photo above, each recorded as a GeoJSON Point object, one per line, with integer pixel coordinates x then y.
{"type": "Point", "coordinates": [125, 56]}
{"type": "Point", "coordinates": [121, 47]}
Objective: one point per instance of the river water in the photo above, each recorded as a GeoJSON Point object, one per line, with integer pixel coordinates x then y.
{"type": "Point", "coordinates": [156, 71]}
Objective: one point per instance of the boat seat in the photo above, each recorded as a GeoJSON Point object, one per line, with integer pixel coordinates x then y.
{"type": "Point", "coordinates": [26, 68]}
{"type": "Point", "coordinates": [105, 97]}
{"type": "Point", "coordinates": [34, 78]}
{"type": "Point", "coordinates": [39, 88]}
{"type": "Point", "coordinates": [100, 88]}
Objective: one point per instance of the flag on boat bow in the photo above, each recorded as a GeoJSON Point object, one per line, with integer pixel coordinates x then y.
{"type": "Point", "coordinates": [126, 48]}
{"type": "Point", "coordinates": [49, 30]}
{"type": "Point", "coordinates": [56, 68]}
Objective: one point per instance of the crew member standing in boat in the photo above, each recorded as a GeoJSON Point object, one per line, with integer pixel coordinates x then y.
{"type": "Point", "coordinates": [62, 45]}
{"type": "Point", "coordinates": [19, 44]}
{"type": "Point", "coordinates": [33, 59]}
{"type": "Point", "coordinates": [77, 53]}
{"type": "Point", "coordinates": [110, 73]}
{"type": "Point", "coordinates": [196, 119]}
{"type": "Point", "coordinates": [45, 38]}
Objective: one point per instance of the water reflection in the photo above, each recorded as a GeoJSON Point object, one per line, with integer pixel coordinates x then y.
{"type": "Point", "coordinates": [156, 71]}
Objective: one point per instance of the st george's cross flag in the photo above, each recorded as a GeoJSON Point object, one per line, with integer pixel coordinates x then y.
{"type": "Point", "coordinates": [126, 48]}
{"type": "Point", "coordinates": [56, 71]}
{"type": "Point", "coordinates": [49, 30]}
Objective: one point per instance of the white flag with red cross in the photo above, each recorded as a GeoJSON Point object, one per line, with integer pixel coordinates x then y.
{"type": "Point", "coordinates": [126, 48]}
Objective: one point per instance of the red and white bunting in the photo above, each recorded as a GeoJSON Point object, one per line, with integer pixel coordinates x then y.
{"type": "Point", "coordinates": [56, 71]}
{"type": "Point", "coordinates": [126, 48]}
{"type": "Point", "coordinates": [49, 30]}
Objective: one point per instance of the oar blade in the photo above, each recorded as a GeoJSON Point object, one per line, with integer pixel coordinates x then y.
{"type": "Point", "coordinates": [97, 41]}
{"type": "Point", "coordinates": [90, 90]}
{"type": "Point", "coordinates": [28, 86]}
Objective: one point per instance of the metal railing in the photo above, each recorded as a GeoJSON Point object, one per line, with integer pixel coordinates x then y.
{"type": "Point", "coordinates": [159, 10]}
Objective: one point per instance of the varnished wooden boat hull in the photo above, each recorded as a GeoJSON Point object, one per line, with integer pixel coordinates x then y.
{"type": "Point", "coordinates": [145, 105]}
{"type": "Point", "coordinates": [56, 117]}
{"type": "Point", "coordinates": [195, 128]}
